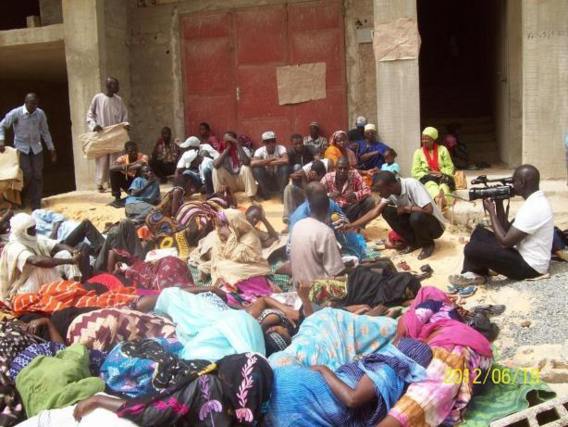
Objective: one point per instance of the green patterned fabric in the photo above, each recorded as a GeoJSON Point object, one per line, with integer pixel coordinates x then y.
{"type": "Point", "coordinates": [495, 401]}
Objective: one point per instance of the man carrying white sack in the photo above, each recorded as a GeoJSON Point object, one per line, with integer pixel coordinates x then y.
{"type": "Point", "coordinates": [28, 262]}
{"type": "Point", "coordinates": [106, 109]}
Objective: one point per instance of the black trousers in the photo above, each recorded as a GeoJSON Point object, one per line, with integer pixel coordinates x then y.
{"type": "Point", "coordinates": [484, 253]}
{"type": "Point", "coordinates": [118, 182]}
{"type": "Point", "coordinates": [418, 229]}
{"type": "Point", "coordinates": [358, 209]}
{"type": "Point", "coordinates": [162, 169]}
{"type": "Point", "coordinates": [85, 230]}
{"type": "Point", "coordinates": [270, 183]}
{"type": "Point", "coordinates": [32, 168]}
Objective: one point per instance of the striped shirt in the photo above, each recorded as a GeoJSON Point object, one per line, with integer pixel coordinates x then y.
{"type": "Point", "coordinates": [29, 129]}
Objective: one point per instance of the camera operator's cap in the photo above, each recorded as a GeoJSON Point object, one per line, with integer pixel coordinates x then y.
{"type": "Point", "coordinates": [370, 126]}
{"type": "Point", "coordinates": [431, 132]}
{"type": "Point", "coordinates": [268, 135]}
{"type": "Point", "coordinates": [360, 121]}
{"type": "Point", "coordinates": [191, 142]}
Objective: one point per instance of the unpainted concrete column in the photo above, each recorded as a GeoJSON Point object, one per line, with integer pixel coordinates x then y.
{"type": "Point", "coordinates": [83, 29]}
{"type": "Point", "coordinates": [545, 82]}
{"type": "Point", "coordinates": [398, 90]}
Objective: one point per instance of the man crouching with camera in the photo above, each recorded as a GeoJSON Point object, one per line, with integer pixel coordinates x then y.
{"type": "Point", "coordinates": [518, 250]}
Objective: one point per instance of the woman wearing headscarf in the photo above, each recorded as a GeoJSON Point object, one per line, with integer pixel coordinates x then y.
{"type": "Point", "coordinates": [27, 262]}
{"type": "Point", "coordinates": [359, 393]}
{"type": "Point", "coordinates": [232, 255]}
{"type": "Point", "coordinates": [432, 166]}
{"type": "Point", "coordinates": [338, 148]}
{"type": "Point", "coordinates": [457, 348]}
{"type": "Point", "coordinates": [233, 391]}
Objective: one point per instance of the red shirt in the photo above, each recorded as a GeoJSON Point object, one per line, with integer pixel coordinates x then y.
{"type": "Point", "coordinates": [353, 184]}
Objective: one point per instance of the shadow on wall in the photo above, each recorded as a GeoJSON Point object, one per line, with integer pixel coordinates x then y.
{"type": "Point", "coordinates": [54, 100]}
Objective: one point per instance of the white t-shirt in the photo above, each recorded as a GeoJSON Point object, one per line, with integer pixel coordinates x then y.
{"type": "Point", "coordinates": [535, 218]}
{"type": "Point", "coordinates": [413, 193]}
{"type": "Point", "coordinates": [261, 153]}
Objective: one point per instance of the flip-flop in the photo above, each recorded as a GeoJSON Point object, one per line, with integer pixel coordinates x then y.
{"type": "Point", "coordinates": [467, 292]}
{"type": "Point", "coordinates": [452, 290]}
{"type": "Point", "coordinates": [490, 309]}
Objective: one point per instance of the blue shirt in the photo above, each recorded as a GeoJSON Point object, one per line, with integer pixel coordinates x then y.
{"type": "Point", "coordinates": [375, 161]}
{"type": "Point", "coordinates": [303, 211]}
{"type": "Point", "coordinates": [150, 195]}
{"type": "Point", "coordinates": [29, 129]}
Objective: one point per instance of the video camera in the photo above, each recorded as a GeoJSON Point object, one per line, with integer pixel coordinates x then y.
{"type": "Point", "coordinates": [495, 192]}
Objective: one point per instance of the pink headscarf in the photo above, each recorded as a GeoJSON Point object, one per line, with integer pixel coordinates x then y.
{"type": "Point", "coordinates": [448, 332]}
{"type": "Point", "coordinates": [337, 134]}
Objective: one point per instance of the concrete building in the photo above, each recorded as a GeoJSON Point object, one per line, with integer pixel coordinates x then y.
{"type": "Point", "coordinates": [496, 67]}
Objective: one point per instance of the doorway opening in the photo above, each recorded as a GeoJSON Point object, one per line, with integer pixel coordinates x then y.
{"type": "Point", "coordinates": [461, 69]}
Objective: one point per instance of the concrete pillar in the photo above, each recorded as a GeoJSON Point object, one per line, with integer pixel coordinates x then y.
{"type": "Point", "coordinates": [398, 90]}
{"type": "Point", "coordinates": [545, 82]}
{"type": "Point", "coordinates": [83, 30]}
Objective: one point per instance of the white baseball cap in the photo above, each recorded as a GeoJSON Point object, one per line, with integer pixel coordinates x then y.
{"type": "Point", "coordinates": [191, 142]}
{"type": "Point", "coordinates": [269, 134]}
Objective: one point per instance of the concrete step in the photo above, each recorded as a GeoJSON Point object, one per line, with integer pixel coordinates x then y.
{"type": "Point", "coordinates": [552, 413]}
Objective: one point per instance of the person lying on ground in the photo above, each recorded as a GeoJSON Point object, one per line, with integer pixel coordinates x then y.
{"type": "Point", "coordinates": [518, 250]}
{"type": "Point", "coordinates": [125, 169]}
{"type": "Point", "coordinates": [347, 188]}
{"type": "Point", "coordinates": [409, 210]}
{"type": "Point", "coordinates": [358, 393]}
{"type": "Point", "coordinates": [432, 166]}
{"type": "Point", "coordinates": [457, 347]}
{"type": "Point", "coordinates": [27, 262]}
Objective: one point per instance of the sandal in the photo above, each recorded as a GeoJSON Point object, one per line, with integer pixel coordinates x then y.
{"type": "Point", "coordinates": [467, 292]}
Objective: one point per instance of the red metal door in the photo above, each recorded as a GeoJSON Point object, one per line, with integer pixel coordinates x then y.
{"type": "Point", "coordinates": [244, 47]}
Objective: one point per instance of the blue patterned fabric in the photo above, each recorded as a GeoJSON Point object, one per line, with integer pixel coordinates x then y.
{"type": "Point", "coordinates": [25, 357]}
{"type": "Point", "coordinates": [302, 397]}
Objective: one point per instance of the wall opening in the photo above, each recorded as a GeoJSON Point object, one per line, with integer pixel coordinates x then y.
{"type": "Point", "coordinates": [458, 61]}
{"type": "Point", "coordinates": [13, 13]}
{"type": "Point", "coordinates": [41, 69]}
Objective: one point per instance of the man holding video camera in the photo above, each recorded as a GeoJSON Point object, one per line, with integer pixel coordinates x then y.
{"type": "Point", "coordinates": [518, 250]}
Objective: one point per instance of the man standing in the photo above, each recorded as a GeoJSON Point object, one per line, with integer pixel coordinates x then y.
{"type": "Point", "coordinates": [29, 124]}
{"type": "Point", "coordinates": [106, 109]}
{"type": "Point", "coordinates": [409, 210]}
{"type": "Point", "coordinates": [315, 140]}
{"type": "Point", "coordinates": [348, 189]}
{"type": "Point", "coordinates": [270, 166]}
{"type": "Point", "coordinates": [518, 250]}
{"type": "Point", "coordinates": [314, 253]}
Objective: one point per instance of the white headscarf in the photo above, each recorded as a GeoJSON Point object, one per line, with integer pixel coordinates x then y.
{"type": "Point", "coordinates": [19, 225]}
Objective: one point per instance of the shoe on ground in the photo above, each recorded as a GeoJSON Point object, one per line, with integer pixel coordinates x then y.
{"type": "Point", "coordinates": [467, 291]}
{"type": "Point", "coordinates": [466, 279]}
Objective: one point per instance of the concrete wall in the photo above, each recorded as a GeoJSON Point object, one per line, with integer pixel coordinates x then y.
{"type": "Point", "coordinates": [508, 81]}
{"type": "Point", "coordinates": [84, 20]}
{"type": "Point", "coordinates": [51, 12]}
{"type": "Point", "coordinates": [545, 83]}
{"type": "Point", "coordinates": [155, 63]}
{"type": "Point", "coordinates": [398, 90]}
{"type": "Point", "coordinates": [360, 62]}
